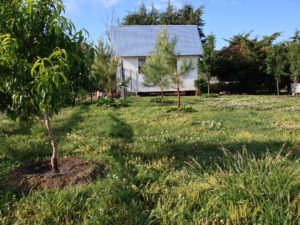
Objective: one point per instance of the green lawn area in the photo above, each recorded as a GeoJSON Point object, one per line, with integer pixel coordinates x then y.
{"type": "Point", "coordinates": [165, 168]}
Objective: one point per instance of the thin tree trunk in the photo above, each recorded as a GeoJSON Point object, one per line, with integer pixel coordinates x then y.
{"type": "Point", "coordinates": [277, 87]}
{"type": "Point", "coordinates": [162, 94]}
{"type": "Point", "coordinates": [178, 91]}
{"type": "Point", "coordinates": [52, 137]}
{"type": "Point", "coordinates": [91, 96]}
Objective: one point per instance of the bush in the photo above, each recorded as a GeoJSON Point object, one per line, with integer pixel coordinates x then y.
{"type": "Point", "coordinates": [159, 99]}
{"type": "Point", "coordinates": [182, 109]}
{"type": "Point", "coordinates": [111, 102]}
{"type": "Point", "coordinates": [211, 95]}
{"type": "Point", "coordinates": [201, 85]}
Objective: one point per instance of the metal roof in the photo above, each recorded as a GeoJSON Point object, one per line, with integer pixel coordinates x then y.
{"type": "Point", "coordinates": [130, 41]}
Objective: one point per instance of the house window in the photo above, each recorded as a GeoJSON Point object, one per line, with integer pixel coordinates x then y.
{"type": "Point", "coordinates": [141, 62]}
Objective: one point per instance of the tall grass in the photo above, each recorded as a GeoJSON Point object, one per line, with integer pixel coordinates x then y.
{"type": "Point", "coordinates": [243, 190]}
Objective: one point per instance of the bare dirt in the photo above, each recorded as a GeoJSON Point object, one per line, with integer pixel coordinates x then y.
{"type": "Point", "coordinates": [38, 175]}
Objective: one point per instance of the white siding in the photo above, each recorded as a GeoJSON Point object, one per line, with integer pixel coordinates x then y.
{"type": "Point", "coordinates": [130, 66]}
{"type": "Point", "coordinates": [295, 88]}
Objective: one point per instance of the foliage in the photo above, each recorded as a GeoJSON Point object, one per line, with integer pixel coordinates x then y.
{"type": "Point", "coordinates": [185, 67]}
{"type": "Point", "coordinates": [50, 87]}
{"type": "Point", "coordinates": [45, 29]}
{"type": "Point", "coordinates": [104, 69]}
{"type": "Point", "coordinates": [155, 69]}
{"type": "Point", "coordinates": [211, 95]}
{"type": "Point", "coordinates": [294, 58]}
{"type": "Point", "coordinates": [276, 63]}
{"type": "Point", "coordinates": [7, 64]}
{"type": "Point", "coordinates": [214, 88]}
{"type": "Point", "coordinates": [162, 166]}
{"type": "Point", "coordinates": [159, 99]}
{"type": "Point", "coordinates": [111, 102]}
{"type": "Point", "coordinates": [186, 15]}
{"type": "Point", "coordinates": [175, 66]}
{"type": "Point", "coordinates": [207, 64]}
{"type": "Point", "coordinates": [243, 61]}
{"type": "Point", "coordinates": [181, 109]}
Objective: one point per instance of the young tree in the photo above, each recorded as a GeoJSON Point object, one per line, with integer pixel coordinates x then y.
{"type": "Point", "coordinates": [185, 67]}
{"type": "Point", "coordinates": [104, 68]}
{"type": "Point", "coordinates": [36, 83]}
{"type": "Point", "coordinates": [207, 64]}
{"type": "Point", "coordinates": [155, 69]}
{"type": "Point", "coordinates": [276, 63]}
{"type": "Point", "coordinates": [176, 67]}
{"type": "Point", "coordinates": [50, 90]}
{"type": "Point", "coordinates": [294, 60]}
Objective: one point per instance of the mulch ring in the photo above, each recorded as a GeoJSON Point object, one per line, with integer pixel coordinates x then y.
{"type": "Point", "coordinates": [38, 175]}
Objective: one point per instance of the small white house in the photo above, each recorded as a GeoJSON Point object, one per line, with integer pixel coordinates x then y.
{"type": "Point", "coordinates": [295, 88]}
{"type": "Point", "coordinates": [134, 43]}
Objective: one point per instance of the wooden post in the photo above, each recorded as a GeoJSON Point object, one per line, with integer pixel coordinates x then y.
{"type": "Point", "coordinates": [137, 84]}
{"type": "Point", "coordinates": [130, 82]}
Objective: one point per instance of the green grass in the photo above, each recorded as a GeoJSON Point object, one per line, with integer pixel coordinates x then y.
{"type": "Point", "coordinates": [225, 163]}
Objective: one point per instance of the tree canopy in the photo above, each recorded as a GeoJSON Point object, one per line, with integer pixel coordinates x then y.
{"type": "Point", "coordinates": [294, 57]}
{"type": "Point", "coordinates": [186, 15]}
{"type": "Point", "coordinates": [243, 61]}
{"type": "Point", "coordinates": [207, 64]}
{"type": "Point", "coordinates": [276, 63]}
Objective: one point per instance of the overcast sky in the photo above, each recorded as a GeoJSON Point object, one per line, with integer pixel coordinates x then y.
{"type": "Point", "coordinates": [224, 18]}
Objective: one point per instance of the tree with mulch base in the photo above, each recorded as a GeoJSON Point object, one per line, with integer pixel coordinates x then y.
{"type": "Point", "coordinates": [50, 89]}
{"type": "Point", "coordinates": [37, 78]}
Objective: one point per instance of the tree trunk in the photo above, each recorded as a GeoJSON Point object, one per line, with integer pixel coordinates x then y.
{"type": "Point", "coordinates": [277, 87]}
{"type": "Point", "coordinates": [162, 94]}
{"type": "Point", "coordinates": [91, 96]}
{"type": "Point", "coordinates": [52, 137]}
{"type": "Point", "coordinates": [178, 91]}
{"type": "Point", "coordinates": [208, 87]}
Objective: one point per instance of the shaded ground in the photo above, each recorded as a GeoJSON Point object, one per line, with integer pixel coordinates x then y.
{"type": "Point", "coordinates": [38, 175]}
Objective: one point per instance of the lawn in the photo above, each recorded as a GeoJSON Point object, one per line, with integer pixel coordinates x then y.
{"type": "Point", "coordinates": [226, 163]}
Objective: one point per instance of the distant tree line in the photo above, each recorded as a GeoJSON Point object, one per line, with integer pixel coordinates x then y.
{"type": "Point", "coordinates": [187, 14]}
{"type": "Point", "coordinates": [258, 66]}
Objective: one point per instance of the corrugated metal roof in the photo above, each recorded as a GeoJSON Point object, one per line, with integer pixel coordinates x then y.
{"type": "Point", "coordinates": [140, 40]}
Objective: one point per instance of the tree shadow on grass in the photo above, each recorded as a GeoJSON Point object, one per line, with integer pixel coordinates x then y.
{"type": "Point", "coordinates": [30, 145]}
{"type": "Point", "coordinates": [63, 126]}
{"type": "Point", "coordinates": [122, 136]}
{"type": "Point", "coordinates": [211, 154]}
{"type": "Point", "coordinates": [120, 129]}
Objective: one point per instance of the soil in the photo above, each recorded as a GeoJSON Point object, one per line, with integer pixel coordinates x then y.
{"type": "Point", "coordinates": [38, 175]}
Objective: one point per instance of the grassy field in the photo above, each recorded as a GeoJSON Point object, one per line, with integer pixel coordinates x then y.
{"type": "Point", "coordinates": [226, 163]}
